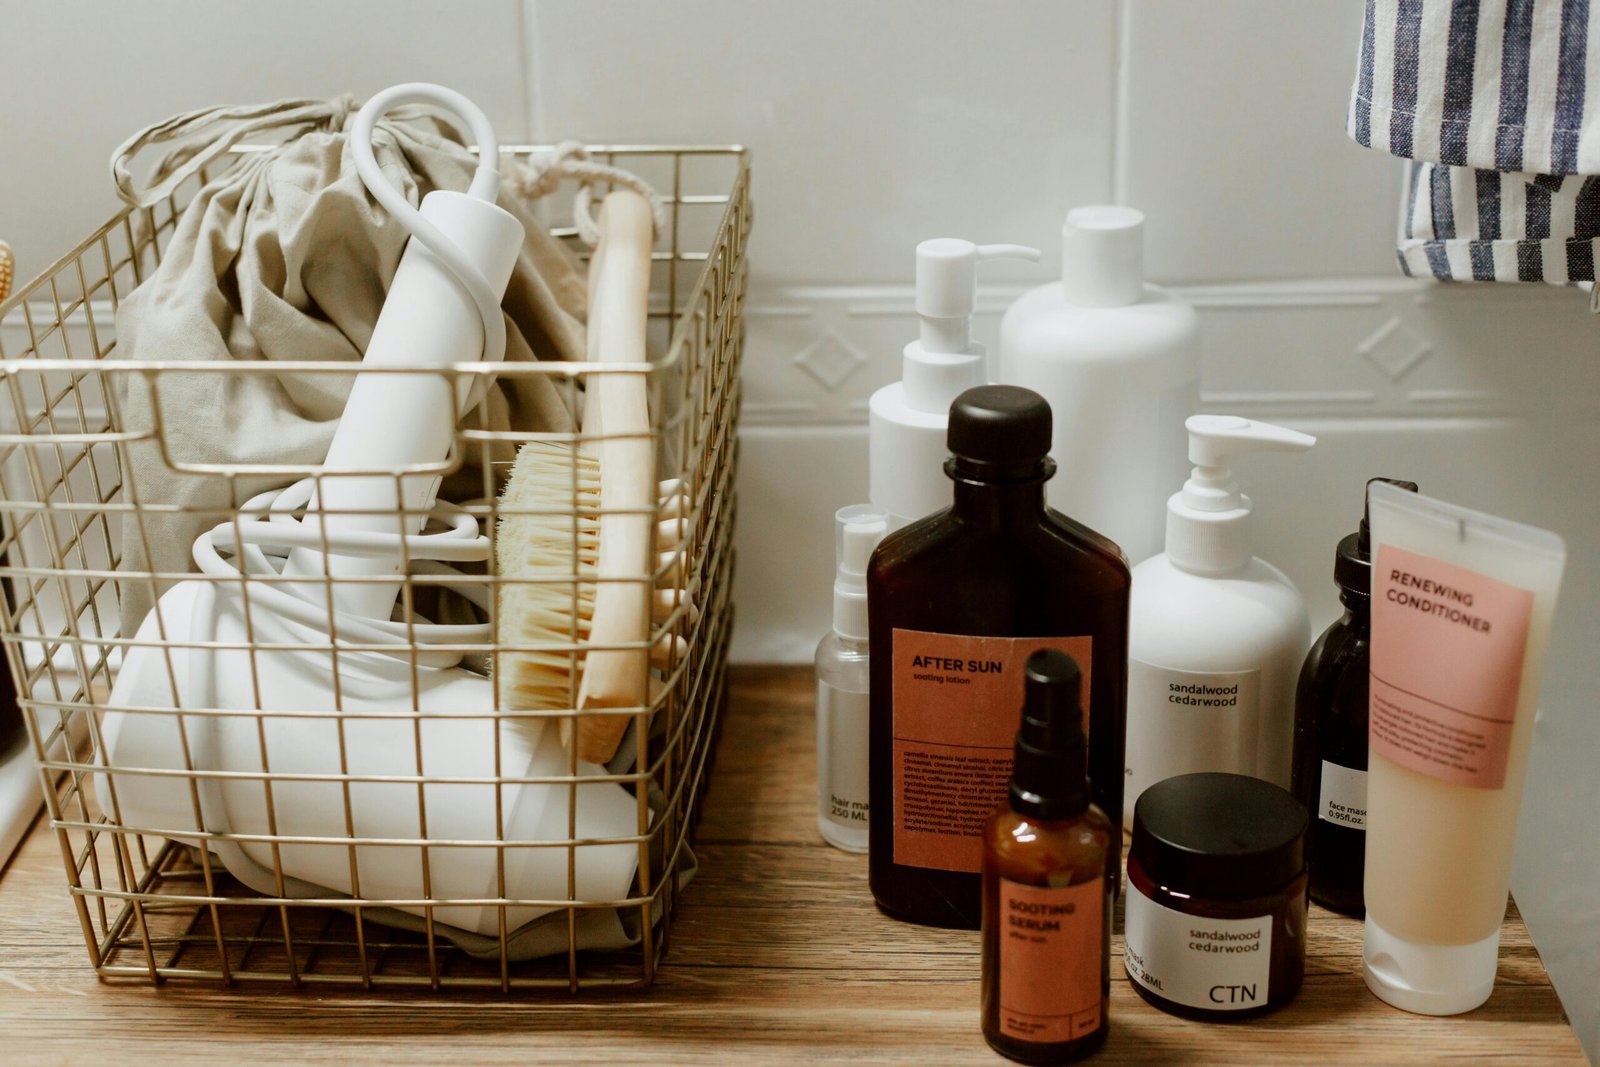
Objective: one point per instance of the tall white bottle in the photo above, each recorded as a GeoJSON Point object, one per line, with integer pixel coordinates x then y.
{"type": "Point", "coordinates": [907, 420]}
{"type": "Point", "coordinates": [1119, 362]}
{"type": "Point", "coordinates": [1215, 635]}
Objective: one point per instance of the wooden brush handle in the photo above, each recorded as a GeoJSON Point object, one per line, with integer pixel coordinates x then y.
{"type": "Point", "coordinates": [618, 408]}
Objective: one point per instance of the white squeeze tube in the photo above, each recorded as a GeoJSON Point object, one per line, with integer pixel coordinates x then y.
{"type": "Point", "coordinates": [1462, 607]}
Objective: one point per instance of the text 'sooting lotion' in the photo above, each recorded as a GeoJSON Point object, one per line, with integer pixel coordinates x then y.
{"type": "Point", "coordinates": [958, 602]}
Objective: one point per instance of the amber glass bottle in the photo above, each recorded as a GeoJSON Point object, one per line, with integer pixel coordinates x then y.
{"type": "Point", "coordinates": [957, 603]}
{"type": "Point", "coordinates": [1048, 878]}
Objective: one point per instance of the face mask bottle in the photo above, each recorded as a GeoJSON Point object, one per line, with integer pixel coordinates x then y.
{"type": "Point", "coordinates": [842, 686]}
{"type": "Point", "coordinates": [958, 602]}
{"type": "Point", "coordinates": [1048, 877]}
{"type": "Point", "coordinates": [1329, 775]}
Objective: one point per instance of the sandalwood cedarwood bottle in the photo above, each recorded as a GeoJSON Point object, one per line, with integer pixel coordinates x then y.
{"type": "Point", "coordinates": [1048, 879]}
{"type": "Point", "coordinates": [957, 603]}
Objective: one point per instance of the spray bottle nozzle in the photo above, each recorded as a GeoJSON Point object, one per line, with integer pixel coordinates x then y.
{"type": "Point", "coordinates": [1049, 777]}
{"type": "Point", "coordinates": [857, 530]}
{"type": "Point", "coordinates": [947, 288]}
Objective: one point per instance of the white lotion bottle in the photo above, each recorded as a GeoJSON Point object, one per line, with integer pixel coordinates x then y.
{"type": "Point", "coordinates": [1215, 635]}
{"type": "Point", "coordinates": [843, 689]}
{"type": "Point", "coordinates": [907, 419]}
{"type": "Point", "coordinates": [1119, 362]}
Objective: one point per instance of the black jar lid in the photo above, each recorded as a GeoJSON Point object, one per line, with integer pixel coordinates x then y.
{"type": "Point", "coordinates": [1219, 835]}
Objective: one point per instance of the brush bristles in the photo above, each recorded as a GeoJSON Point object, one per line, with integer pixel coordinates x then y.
{"type": "Point", "coordinates": [546, 562]}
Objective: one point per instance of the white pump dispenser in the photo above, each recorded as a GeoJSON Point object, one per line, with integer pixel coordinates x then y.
{"type": "Point", "coordinates": [1215, 635]}
{"type": "Point", "coordinates": [906, 429]}
{"type": "Point", "coordinates": [1208, 522]}
{"type": "Point", "coordinates": [1119, 361]}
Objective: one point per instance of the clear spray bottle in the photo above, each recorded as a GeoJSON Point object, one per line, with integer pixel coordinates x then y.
{"type": "Point", "coordinates": [842, 685]}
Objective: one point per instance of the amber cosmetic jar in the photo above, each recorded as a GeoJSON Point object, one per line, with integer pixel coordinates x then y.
{"type": "Point", "coordinates": [1216, 905]}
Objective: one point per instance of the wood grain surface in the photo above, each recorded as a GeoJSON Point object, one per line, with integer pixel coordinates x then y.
{"type": "Point", "coordinates": [777, 955]}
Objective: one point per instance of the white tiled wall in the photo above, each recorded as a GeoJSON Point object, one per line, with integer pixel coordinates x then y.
{"type": "Point", "coordinates": [876, 125]}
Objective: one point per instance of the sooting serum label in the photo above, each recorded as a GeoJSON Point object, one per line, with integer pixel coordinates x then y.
{"type": "Point", "coordinates": [954, 704]}
{"type": "Point", "coordinates": [1447, 647]}
{"type": "Point", "coordinates": [1344, 796]}
{"type": "Point", "coordinates": [1217, 964]}
{"type": "Point", "coordinates": [1050, 962]}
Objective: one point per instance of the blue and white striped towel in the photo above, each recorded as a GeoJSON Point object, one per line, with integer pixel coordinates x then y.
{"type": "Point", "coordinates": [1498, 104]}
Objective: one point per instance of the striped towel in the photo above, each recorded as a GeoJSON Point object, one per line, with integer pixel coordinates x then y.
{"type": "Point", "coordinates": [1497, 102]}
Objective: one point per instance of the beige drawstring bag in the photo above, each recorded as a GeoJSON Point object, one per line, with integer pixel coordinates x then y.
{"type": "Point", "coordinates": [285, 257]}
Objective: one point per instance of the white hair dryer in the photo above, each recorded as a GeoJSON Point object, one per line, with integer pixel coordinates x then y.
{"type": "Point", "coordinates": [184, 705]}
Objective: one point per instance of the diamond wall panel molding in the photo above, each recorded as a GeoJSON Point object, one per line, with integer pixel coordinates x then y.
{"type": "Point", "coordinates": [830, 359]}
{"type": "Point", "coordinates": [1271, 349]}
{"type": "Point", "coordinates": [1395, 348]}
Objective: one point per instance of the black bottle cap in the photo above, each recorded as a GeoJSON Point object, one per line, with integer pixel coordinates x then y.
{"type": "Point", "coordinates": [1219, 835]}
{"type": "Point", "coordinates": [1049, 775]}
{"type": "Point", "coordinates": [1352, 563]}
{"type": "Point", "coordinates": [1000, 432]}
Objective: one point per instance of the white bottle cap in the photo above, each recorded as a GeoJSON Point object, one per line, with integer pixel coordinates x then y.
{"type": "Point", "coordinates": [1102, 256]}
{"type": "Point", "coordinates": [858, 529]}
{"type": "Point", "coordinates": [1208, 521]}
{"type": "Point", "coordinates": [1429, 979]}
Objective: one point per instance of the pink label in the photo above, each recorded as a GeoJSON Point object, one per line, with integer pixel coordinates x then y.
{"type": "Point", "coordinates": [956, 703]}
{"type": "Point", "coordinates": [1052, 967]}
{"type": "Point", "coordinates": [1447, 647]}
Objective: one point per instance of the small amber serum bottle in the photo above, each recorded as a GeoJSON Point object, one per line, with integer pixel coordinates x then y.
{"type": "Point", "coordinates": [1048, 866]}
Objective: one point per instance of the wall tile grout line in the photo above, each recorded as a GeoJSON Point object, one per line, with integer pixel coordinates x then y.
{"type": "Point", "coordinates": [1121, 73]}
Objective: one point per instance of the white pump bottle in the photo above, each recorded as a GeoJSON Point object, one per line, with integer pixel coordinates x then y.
{"type": "Point", "coordinates": [1119, 362]}
{"type": "Point", "coordinates": [1215, 635]}
{"type": "Point", "coordinates": [906, 427]}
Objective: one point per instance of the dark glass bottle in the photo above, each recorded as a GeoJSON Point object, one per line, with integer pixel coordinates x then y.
{"type": "Point", "coordinates": [1048, 879]}
{"type": "Point", "coordinates": [1330, 733]}
{"type": "Point", "coordinates": [957, 602]}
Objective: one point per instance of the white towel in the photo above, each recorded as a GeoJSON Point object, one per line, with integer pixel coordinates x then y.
{"type": "Point", "coordinates": [1495, 101]}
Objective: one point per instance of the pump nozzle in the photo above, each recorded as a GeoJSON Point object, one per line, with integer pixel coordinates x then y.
{"type": "Point", "coordinates": [1208, 521]}
{"type": "Point", "coordinates": [947, 289]}
{"type": "Point", "coordinates": [1214, 440]}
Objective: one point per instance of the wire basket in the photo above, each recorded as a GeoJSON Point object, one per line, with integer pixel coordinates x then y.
{"type": "Point", "coordinates": [155, 900]}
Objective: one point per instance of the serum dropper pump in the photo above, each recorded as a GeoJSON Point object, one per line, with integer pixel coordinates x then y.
{"type": "Point", "coordinates": [908, 419]}
{"type": "Point", "coordinates": [1215, 635]}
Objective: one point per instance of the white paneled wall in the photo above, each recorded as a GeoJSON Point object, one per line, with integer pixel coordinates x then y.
{"type": "Point", "coordinates": [876, 125]}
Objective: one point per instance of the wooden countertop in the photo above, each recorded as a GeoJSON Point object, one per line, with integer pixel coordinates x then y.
{"type": "Point", "coordinates": [778, 954]}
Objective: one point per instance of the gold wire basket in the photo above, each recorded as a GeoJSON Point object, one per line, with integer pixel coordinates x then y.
{"type": "Point", "coordinates": [154, 901]}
